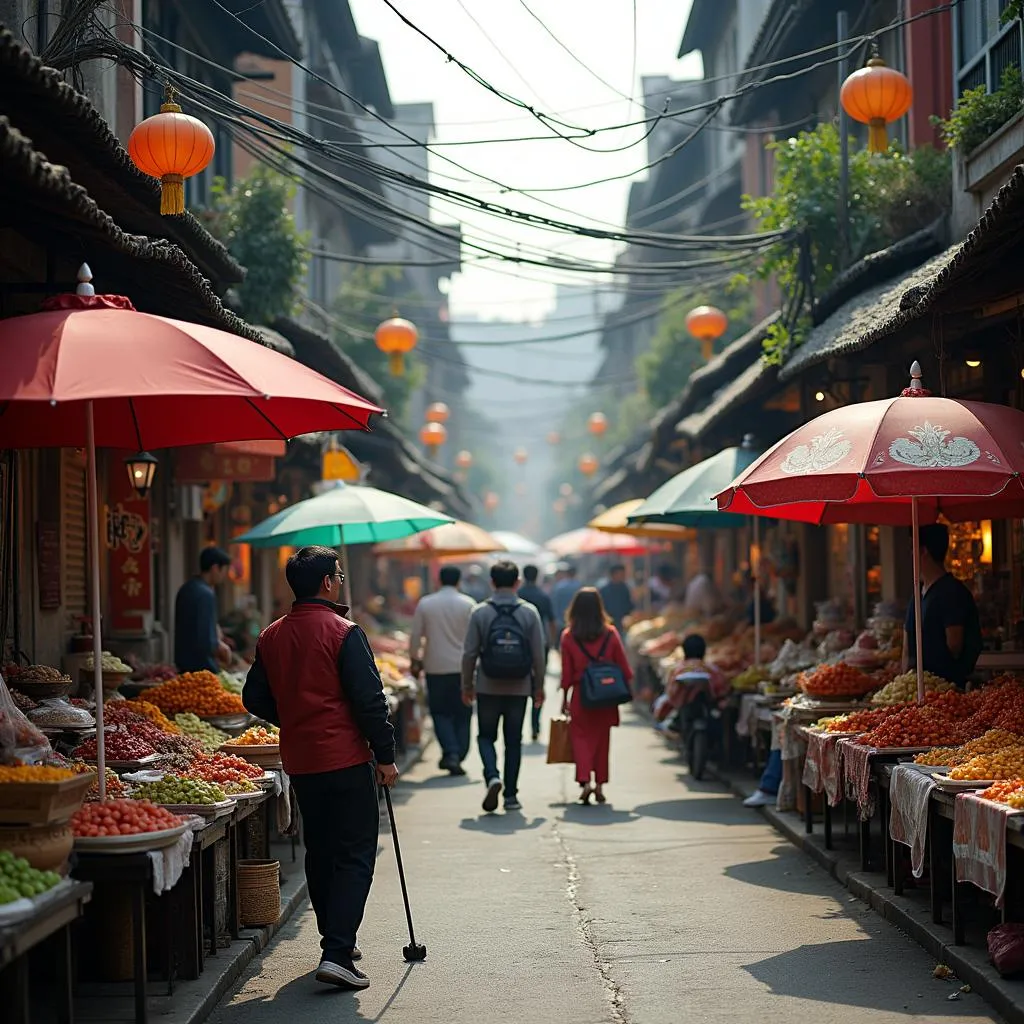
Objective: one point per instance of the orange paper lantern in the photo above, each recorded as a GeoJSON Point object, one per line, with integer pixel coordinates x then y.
{"type": "Point", "coordinates": [876, 95]}
{"type": "Point", "coordinates": [588, 464]}
{"type": "Point", "coordinates": [437, 413]}
{"type": "Point", "coordinates": [707, 324]}
{"type": "Point", "coordinates": [490, 501]}
{"type": "Point", "coordinates": [597, 424]}
{"type": "Point", "coordinates": [520, 455]}
{"type": "Point", "coordinates": [464, 459]}
{"type": "Point", "coordinates": [171, 146]}
{"type": "Point", "coordinates": [433, 435]}
{"type": "Point", "coordinates": [554, 437]}
{"type": "Point", "coordinates": [396, 338]}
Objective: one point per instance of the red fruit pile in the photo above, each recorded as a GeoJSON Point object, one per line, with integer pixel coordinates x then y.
{"type": "Point", "coordinates": [224, 768]}
{"type": "Point", "coordinates": [120, 746]}
{"type": "Point", "coordinates": [122, 818]}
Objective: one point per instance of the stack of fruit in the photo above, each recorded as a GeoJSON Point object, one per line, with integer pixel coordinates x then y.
{"type": "Point", "coordinates": [141, 727]}
{"type": "Point", "coordinates": [208, 736]}
{"type": "Point", "coordinates": [836, 681]}
{"type": "Point", "coordinates": [232, 774]}
{"type": "Point", "coordinates": [154, 714]}
{"type": "Point", "coordinates": [1009, 792]}
{"type": "Point", "coordinates": [120, 746]}
{"type": "Point", "coordinates": [1007, 763]}
{"type": "Point", "coordinates": [903, 688]}
{"type": "Point", "coordinates": [122, 818]}
{"type": "Point", "coordinates": [115, 787]}
{"type": "Point", "coordinates": [257, 736]}
{"type": "Point", "coordinates": [198, 692]}
{"type": "Point", "coordinates": [19, 880]}
{"type": "Point", "coordinates": [177, 790]}
{"type": "Point", "coordinates": [914, 726]}
{"type": "Point", "coordinates": [990, 742]}
{"type": "Point", "coordinates": [748, 680]}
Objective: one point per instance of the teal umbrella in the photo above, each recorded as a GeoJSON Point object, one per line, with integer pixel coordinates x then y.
{"type": "Point", "coordinates": [341, 516]}
{"type": "Point", "coordinates": [687, 499]}
{"type": "Point", "coordinates": [344, 515]}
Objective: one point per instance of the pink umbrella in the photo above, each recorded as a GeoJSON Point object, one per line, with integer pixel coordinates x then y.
{"type": "Point", "coordinates": [588, 541]}
{"type": "Point", "coordinates": [92, 372]}
{"type": "Point", "coordinates": [893, 461]}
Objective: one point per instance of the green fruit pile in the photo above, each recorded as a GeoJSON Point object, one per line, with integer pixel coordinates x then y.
{"type": "Point", "coordinates": [173, 789]}
{"type": "Point", "coordinates": [209, 736]}
{"type": "Point", "coordinates": [19, 879]}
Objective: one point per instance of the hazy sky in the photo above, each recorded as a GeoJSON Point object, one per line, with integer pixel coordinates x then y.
{"type": "Point", "coordinates": [522, 59]}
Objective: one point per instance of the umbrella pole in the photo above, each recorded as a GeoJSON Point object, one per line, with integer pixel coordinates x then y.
{"type": "Point", "coordinates": [755, 569]}
{"type": "Point", "coordinates": [648, 595]}
{"type": "Point", "coordinates": [918, 632]}
{"type": "Point", "coordinates": [94, 557]}
{"type": "Point", "coordinates": [345, 566]}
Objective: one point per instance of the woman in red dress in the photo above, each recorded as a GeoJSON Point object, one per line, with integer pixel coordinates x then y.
{"type": "Point", "coordinates": [589, 636]}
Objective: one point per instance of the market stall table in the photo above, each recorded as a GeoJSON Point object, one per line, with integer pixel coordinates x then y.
{"type": "Point", "coordinates": [53, 922]}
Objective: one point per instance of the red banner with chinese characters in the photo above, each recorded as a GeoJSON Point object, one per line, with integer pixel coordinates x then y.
{"type": "Point", "coordinates": [129, 544]}
{"type": "Point", "coordinates": [203, 463]}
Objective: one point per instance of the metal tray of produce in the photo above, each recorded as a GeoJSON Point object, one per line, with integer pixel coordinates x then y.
{"type": "Point", "coordinates": [229, 722]}
{"type": "Point", "coordinates": [887, 751]}
{"type": "Point", "coordinates": [268, 781]}
{"type": "Point", "coordinates": [132, 844]}
{"type": "Point", "coordinates": [203, 810]}
{"type": "Point", "coordinates": [248, 796]}
{"type": "Point", "coordinates": [130, 766]}
{"type": "Point", "coordinates": [948, 785]}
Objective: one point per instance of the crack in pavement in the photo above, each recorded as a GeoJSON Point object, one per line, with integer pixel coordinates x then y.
{"type": "Point", "coordinates": [584, 925]}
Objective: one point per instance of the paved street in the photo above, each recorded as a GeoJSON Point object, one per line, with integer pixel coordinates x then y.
{"type": "Point", "coordinates": [673, 903]}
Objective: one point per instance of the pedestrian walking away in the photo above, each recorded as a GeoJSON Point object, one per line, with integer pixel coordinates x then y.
{"type": "Point", "coordinates": [563, 592]}
{"type": "Point", "coordinates": [502, 667]}
{"type": "Point", "coordinates": [617, 597]}
{"type": "Point", "coordinates": [535, 595]}
{"type": "Point", "coordinates": [198, 643]}
{"type": "Point", "coordinates": [314, 675]}
{"type": "Point", "coordinates": [435, 648]}
{"type": "Point", "coordinates": [589, 638]}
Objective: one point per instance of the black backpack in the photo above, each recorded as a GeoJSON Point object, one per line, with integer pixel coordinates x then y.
{"type": "Point", "coordinates": [506, 650]}
{"type": "Point", "coordinates": [603, 684]}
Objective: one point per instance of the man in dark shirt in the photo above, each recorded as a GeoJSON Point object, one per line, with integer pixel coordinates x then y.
{"type": "Point", "coordinates": [197, 642]}
{"type": "Point", "coordinates": [533, 594]}
{"type": "Point", "coordinates": [951, 636]}
{"type": "Point", "coordinates": [618, 601]}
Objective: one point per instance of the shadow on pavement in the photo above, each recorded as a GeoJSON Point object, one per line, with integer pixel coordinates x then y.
{"type": "Point", "coordinates": [788, 870]}
{"type": "Point", "coordinates": [501, 824]}
{"type": "Point", "coordinates": [854, 974]}
{"type": "Point", "coordinates": [717, 809]}
{"type": "Point", "coordinates": [304, 997]}
{"type": "Point", "coordinates": [595, 814]}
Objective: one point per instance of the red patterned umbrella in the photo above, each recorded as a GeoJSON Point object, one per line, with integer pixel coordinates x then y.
{"type": "Point", "coordinates": [896, 462]}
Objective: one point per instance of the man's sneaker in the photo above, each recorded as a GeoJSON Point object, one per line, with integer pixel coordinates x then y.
{"type": "Point", "coordinates": [345, 975]}
{"type": "Point", "coordinates": [759, 798]}
{"type": "Point", "coordinates": [357, 953]}
{"type": "Point", "coordinates": [513, 805]}
{"type": "Point", "coordinates": [493, 792]}
{"type": "Point", "coordinates": [456, 770]}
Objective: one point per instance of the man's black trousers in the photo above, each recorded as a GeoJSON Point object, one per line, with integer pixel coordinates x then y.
{"type": "Point", "coordinates": [340, 821]}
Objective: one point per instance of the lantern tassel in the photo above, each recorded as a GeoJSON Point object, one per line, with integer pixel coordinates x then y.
{"type": "Point", "coordinates": [878, 137]}
{"type": "Point", "coordinates": [707, 348]}
{"type": "Point", "coordinates": [172, 194]}
{"type": "Point", "coordinates": [396, 364]}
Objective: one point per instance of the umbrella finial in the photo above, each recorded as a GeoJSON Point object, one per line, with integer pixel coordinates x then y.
{"type": "Point", "coordinates": [748, 441]}
{"type": "Point", "coordinates": [84, 286]}
{"type": "Point", "coordinates": [916, 388]}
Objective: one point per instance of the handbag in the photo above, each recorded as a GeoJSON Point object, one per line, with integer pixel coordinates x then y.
{"type": "Point", "coordinates": [560, 742]}
{"type": "Point", "coordinates": [603, 683]}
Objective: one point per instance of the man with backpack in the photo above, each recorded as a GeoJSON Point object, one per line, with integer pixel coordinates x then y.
{"type": "Point", "coordinates": [502, 667]}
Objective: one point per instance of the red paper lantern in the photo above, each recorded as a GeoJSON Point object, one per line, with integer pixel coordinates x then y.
{"type": "Point", "coordinates": [433, 435]}
{"type": "Point", "coordinates": [396, 338]}
{"type": "Point", "coordinates": [490, 501]}
{"type": "Point", "coordinates": [437, 413]}
{"type": "Point", "coordinates": [597, 424]}
{"type": "Point", "coordinates": [876, 95]}
{"type": "Point", "coordinates": [464, 459]}
{"type": "Point", "coordinates": [171, 146]}
{"type": "Point", "coordinates": [588, 464]}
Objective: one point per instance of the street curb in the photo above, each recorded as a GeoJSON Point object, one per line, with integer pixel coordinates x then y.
{"type": "Point", "coordinates": [969, 964]}
{"type": "Point", "coordinates": [253, 942]}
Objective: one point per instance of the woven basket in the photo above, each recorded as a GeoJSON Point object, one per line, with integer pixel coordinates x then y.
{"type": "Point", "coordinates": [259, 892]}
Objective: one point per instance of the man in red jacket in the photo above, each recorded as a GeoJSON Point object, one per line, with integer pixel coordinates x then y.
{"type": "Point", "coordinates": [315, 676]}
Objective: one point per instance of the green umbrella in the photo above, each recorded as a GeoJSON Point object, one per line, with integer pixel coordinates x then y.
{"type": "Point", "coordinates": [687, 499]}
{"type": "Point", "coordinates": [341, 516]}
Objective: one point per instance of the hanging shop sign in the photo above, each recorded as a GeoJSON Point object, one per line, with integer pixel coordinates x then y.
{"type": "Point", "coordinates": [201, 464]}
{"type": "Point", "coordinates": [129, 544]}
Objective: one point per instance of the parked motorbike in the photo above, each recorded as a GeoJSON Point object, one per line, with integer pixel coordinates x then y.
{"type": "Point", "coordinates": [700, 723]}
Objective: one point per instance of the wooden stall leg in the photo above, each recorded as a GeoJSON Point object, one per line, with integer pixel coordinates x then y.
{"type": "Point", "coordinates": [958, 911]}
{"type": "Point", "coordinates": [63, 976]}
{"type": "Point", "coordinates": [808, 810]}
{"type": "Point", "coordinates": [233, 922]}
{"type": "Point", "coordinates": [934, 874]}
{"type": "Point", "coordinates": [209, 890]}
{"type": "Point", "coordinates": [827, 815]}
{"type": "Point", "coordinates": [899, 865]}
{"type": "Point", "coordinates": [865, 844]}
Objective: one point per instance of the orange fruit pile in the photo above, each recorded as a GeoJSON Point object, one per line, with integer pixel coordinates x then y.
{"type": "Point", "coordinates": [257, 736]}
{"type": "Point", "coordinates": [154, 714]}
{"type": "Point", "coordinates": [198, 692]}
{"type": "Point", "coordinates": [839, 680]}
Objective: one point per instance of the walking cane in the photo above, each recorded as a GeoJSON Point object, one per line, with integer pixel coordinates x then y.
{"type": "Point", "coordinates": [414, 952]}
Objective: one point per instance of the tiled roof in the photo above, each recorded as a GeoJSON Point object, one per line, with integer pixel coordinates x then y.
{"type": "Point", "coordinates": [751, 383]}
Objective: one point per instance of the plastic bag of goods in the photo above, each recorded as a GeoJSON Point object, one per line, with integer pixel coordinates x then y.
{"type": "Point", "coordinates": [1006, 948]}
{"type": "Point", "coordinates": [58, 713]}
{"type": "Point", "coordinates": [20, 741]}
